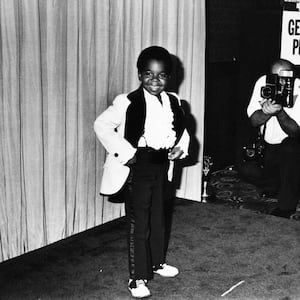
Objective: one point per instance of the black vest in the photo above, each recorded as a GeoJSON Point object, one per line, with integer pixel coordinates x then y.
{"type": "Point", "coordinates": [136, 116]}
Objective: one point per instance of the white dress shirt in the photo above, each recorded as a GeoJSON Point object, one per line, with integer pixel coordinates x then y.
{"type": "Point", "coordinates": [158, 130]}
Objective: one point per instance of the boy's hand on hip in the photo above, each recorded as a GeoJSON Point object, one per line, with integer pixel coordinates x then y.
{"type": "Point", "coordinates": [131, 161]}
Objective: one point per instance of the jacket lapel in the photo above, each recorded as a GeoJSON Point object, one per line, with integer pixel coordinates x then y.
{"type": "Point", "coordinates": [179, 117]}
{"type": "Point", "coordinates": [135, 117]}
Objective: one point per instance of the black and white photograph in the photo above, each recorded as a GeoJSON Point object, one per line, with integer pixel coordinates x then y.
{"type": "Point", "coordinates": [150, 149]}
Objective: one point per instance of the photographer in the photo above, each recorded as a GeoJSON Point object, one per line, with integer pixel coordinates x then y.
{"type": "Point", "coordinates": [275, 105]}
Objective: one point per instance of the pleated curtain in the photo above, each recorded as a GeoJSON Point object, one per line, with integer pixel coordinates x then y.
{"type": "Point", "coordinates": [61, 64]}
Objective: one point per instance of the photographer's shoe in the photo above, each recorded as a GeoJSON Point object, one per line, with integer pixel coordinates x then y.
{"type": "Point", "coordinates": [282, 213]}
{"type": "Point", "coordinates": [138, 288]}
{"type": "Point", "coordinates": [166, 270]}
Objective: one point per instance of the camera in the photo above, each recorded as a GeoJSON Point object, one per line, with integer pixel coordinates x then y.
{"type": "Point", "coordinates": [255, 151]}
{"type": "Point", "coordinates": [279, 87]}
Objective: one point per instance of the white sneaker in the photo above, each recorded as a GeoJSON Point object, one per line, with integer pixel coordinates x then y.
{"type": "Point", "coordinates": [166, 271]}
{"type": "Point", "coordinates": [138, 288]}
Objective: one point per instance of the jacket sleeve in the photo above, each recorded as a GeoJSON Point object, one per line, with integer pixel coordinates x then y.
{"type": "Point", "coordinates": [183, 144]}
{"type": "Point", "coordinates": [184, 141]}
{"type": "Point", "coordinates": [109, 128]}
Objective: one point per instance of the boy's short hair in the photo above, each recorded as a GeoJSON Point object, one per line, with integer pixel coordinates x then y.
{"type": "Point", "coordinates": [157, 53]}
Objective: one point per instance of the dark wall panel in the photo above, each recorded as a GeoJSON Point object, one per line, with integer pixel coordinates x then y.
{"type": "Point", "coordinates": [223, 25]}
{"type": "Point", "coordinates": [243, 39]}
{"type": "Point", "coordinates": [259, 47]}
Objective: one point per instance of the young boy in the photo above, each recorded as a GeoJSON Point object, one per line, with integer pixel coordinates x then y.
{"type": "Point", "coordinates": [142, 131]}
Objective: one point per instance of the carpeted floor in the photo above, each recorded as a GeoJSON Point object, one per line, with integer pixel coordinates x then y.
{"type": "Point", "coordinates": [226, 187]}
{"type": "Point", "coordinates": [215, 245]}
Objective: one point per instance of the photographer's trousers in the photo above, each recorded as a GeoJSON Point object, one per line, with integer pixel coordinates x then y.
{"type": "Point", "coordinates": [144, 202]}
{"type": "Point", "coordinates": [282, 171]}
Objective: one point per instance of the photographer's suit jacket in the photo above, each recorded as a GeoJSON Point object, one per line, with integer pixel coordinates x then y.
{"type": "Point", "coordinates": [119, 129]}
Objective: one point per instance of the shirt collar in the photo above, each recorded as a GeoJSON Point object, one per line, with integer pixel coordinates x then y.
{"type": "Point", "coordinates": [147, 94]}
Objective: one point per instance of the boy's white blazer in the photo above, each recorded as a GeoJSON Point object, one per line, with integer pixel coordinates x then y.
{"type": "Point", "coordinates": [109, 128]}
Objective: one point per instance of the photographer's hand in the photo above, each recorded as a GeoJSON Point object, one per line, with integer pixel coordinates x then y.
{"type": "Point", "coordinates": [269, 107]}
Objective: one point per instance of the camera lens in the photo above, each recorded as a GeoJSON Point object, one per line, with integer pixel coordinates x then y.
{"type": "Point", "coordinates": [266, 92]}
{"type": "Point", "coordinates": [250, 153]}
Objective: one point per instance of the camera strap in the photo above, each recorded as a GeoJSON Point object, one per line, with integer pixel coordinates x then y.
{"type": "Point", "coordinates": [262, 134]}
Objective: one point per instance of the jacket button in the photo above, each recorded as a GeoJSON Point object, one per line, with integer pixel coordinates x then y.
{"type": "Point", "coordinates": [116, 155]}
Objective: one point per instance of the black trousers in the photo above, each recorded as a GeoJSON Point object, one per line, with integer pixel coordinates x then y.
{"type": "Point", "coordinates": [282, 171]}
{"type": "Point", "coordinates": [144, 204]}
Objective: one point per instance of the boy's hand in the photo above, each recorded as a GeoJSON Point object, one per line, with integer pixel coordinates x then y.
{"type": "Point", "coordinates": [175, 153]}
{"type": "Point", "coordinates": [131, 161]}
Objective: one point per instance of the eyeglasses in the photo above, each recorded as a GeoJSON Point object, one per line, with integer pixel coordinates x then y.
{"type": "Point", "coordinates": [150, 75]}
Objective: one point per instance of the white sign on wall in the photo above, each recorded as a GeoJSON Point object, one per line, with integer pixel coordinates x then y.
{"type": "Point", "coordinates": [290, 36]}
